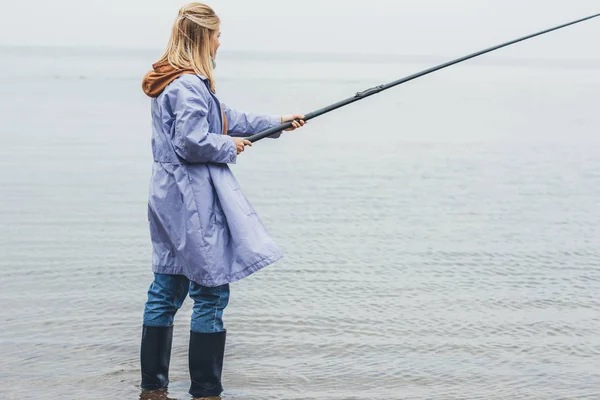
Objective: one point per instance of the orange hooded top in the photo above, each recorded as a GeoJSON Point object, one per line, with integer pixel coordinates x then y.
{"type": "Point", "coordinates": [157, 79]}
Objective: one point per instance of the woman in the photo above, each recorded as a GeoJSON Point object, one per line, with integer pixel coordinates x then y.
{"type": "Point", "coordinates": [205, 234]}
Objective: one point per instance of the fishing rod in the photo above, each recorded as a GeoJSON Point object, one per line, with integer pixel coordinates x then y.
{"type": "Point", "coordinates": [376, 89]}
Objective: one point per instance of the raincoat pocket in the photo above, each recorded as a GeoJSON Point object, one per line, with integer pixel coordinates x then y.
{"type": "Point", "coordinates": [243, 202]}
{"type": "Point", "coordinates": [217, 218]}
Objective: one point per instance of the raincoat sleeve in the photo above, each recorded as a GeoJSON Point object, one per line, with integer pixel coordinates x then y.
{"type": "Point", "coordinates": [246, 124]}
{"type": "Point", "coordinates": [191, 137]}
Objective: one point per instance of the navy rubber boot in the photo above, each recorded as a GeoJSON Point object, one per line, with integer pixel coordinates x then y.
{"type": "Point", "coordinates": [155, 356]}
{"type": "Point", "coordinates": [206, 352]}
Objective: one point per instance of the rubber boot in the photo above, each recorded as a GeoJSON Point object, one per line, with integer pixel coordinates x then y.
{"type": "Point", "coordinates": [155, 356]}
{"type": "Point", "coordinates": [205, 358]}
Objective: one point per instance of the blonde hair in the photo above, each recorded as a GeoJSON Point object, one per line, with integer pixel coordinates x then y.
{"type": "Point", "coordinates": [189, 44]}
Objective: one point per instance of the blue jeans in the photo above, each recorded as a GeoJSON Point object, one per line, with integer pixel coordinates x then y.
{"type": "Point", "coordinates": [167, 293]}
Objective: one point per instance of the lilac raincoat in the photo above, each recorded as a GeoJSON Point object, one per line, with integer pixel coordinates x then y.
{"type": "Point", "coordinates": [201, 224]}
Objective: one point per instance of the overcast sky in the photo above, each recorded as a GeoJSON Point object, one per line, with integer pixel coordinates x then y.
{"type": "Point", "coordinates": [350, 26]}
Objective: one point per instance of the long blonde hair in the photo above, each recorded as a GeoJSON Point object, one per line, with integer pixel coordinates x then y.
{"type": "Point", "coordinates": [189, 44]}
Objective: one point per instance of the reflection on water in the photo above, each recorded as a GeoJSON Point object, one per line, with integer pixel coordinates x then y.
{"type": "Point", "coordinates": [161, 394]}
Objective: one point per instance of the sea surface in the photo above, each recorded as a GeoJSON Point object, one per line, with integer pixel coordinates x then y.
{"type": "Point", "coordinates": [441, 239]}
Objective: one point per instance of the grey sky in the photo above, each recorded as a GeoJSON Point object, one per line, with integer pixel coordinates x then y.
{"type": "Point", "coordinates": [374, 26]}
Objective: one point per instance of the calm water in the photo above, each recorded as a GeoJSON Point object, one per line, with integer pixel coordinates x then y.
{"type": "Point", "coordinates": [442, 239]}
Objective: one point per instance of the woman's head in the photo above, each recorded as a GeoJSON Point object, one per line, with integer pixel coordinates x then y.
{"type": "Point", "coordinates": [194, 40]}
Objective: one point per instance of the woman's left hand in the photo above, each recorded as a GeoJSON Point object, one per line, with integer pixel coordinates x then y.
{"type": "Point", "coordinates": [293, 118]}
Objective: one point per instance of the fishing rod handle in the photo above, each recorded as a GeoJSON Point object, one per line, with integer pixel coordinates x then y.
{"type": "Point", "coordinates": [278, 128]}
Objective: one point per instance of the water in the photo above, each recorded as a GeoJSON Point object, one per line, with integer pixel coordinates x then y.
{"type": "Point", "coordinates": [441, 238]}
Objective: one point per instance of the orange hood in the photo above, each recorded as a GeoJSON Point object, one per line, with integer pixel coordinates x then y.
{"type": "Point", "coordinates": [156, 80]}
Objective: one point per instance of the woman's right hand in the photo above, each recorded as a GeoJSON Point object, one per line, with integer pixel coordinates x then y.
{"type": "Point", "coordinates": [241, 143]}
